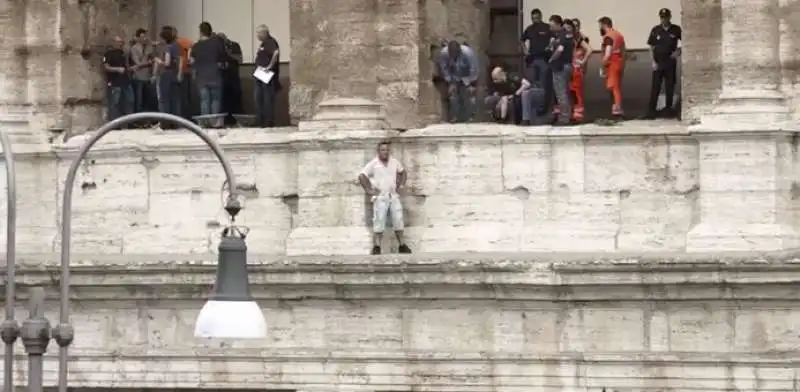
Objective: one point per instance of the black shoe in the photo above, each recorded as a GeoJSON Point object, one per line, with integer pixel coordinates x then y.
{"type": "Point", "coordinates": [376, 250]}
{"type": "Point", "coordinates": [404, 249]}
{"type": "Point", "coordinates": [651, 116]}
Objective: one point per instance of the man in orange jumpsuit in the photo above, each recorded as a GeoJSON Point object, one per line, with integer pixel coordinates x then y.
{"type": "Point", "coordinates": [613, 62]}
{"type": "Point", "coordinates": [579, 60]}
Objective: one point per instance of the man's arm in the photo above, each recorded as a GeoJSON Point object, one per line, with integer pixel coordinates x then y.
{"type": "Point", "coordinates": [109, 68]}
{"type": "Point", "coordinates": [443, 65]}
{"type": "Point", "coordinates": [401, 176]}
{"type": "Point", "coordinates": [679, 34]}
{"type": "Point", "coordinates": [608, 43]}
{"type": "Point", "coordinates": [363, 179]}
{"type": "Point", "coordinates": [236, 52]}
{"type": "Point", "coordinates": [274, 60]}
{"type": "Point", "coordinates": [524, 85]}
{"type": "Point", "coordinates": [474, 66]}
{"type": "Point", "coordinates": [524, 41]}
{"type": "Point", "coordinates": [587, 51]}
{"type": "Point", "coordinates": [557, 52]}
{"type": "Point", "coordinates": [652, 41]}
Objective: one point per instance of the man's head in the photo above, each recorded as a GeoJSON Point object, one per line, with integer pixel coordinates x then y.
{"type": "Point", "coordinates": [536, 15]}
{"type": "Point", "coordinates": [605, 23]}
{"type": "Point", "coordinates": [556, 22]}
{"type": "Point", "coordinates": [223, 36]}
{"type": "Point", "coordinates": [262, 31]}
{"type": "Point", "coordinates": [383, 150]}
{"type": "Point", "coordinates": [666, 16]}
{"type": "Point", "coordinates": [569, 26]}
{"type": "Point", "coordinates": [453, 49]}
{"type": "Point", "coordinates": [577, 24]}
{"type": "Point", "coordinates": [141, 36]}
{"type": "Point", "coordinates": [117, 42]}
{"type": "Point", "coordinates": [205, 29]}
{"type": "Point", "coordinates": [499, 75]}
{"type": "Point", "coordinates": [167, 34]}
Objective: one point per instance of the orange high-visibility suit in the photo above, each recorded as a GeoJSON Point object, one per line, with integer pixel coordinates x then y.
{"type": "Point", "coordinates": [578, 76]}
{"type": "Point", "coordinates": [614, 66]}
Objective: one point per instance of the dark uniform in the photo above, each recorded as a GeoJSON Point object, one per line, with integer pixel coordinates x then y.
{"type": "Point", "coordinates": [119, 92]}
{"type": "Point", "coordinates": [663, 40]}
{"type": "Point", "coordinates": [265, 93]}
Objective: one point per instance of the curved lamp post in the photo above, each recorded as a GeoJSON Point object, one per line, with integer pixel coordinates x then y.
{"type": "Point", "coordinates": [9, 330]}
{"type": "Point", "coordinates": [230, 313]}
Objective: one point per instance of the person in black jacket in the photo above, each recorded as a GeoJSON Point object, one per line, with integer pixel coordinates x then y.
{"type": "Point", "coordinates": [231, 82]}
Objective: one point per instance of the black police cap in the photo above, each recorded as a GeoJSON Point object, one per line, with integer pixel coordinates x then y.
{"type": "Point", "coordinates": [664, 13]}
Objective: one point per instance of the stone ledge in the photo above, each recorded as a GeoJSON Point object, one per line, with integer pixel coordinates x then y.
{"type": "Point", "coordinates": [404, 371]}
{"type": "Point", "coordinates": [531, 276]}
{"type": "Point", "coordinates": [289, 139]}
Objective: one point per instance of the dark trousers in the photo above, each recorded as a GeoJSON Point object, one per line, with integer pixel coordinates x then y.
{"type": "Point", "coordinates": [538, 70]}
{"type": "Point", "coordinates": [119, 101]}
{"type": "Point", "coordinates": [169, 95]}
{"type": "Point", "coordinates": [231, 96]}
{"type": "Point", "coordinates": [666, 73]}
{"type": "Point", "coordinates": [144, 96]}
{"type": "Point", "coordinates": [265, 94]}
{"type": "Point", "coordinates": [190, 103]}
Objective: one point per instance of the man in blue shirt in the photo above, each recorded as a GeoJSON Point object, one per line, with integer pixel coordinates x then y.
{"type": "Point", "coordinates": [459, 67]}
{"type": "Point", "coordinates": [561, 64]}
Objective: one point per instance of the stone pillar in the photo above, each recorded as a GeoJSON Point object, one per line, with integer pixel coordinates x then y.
{"type": "Point", "coordinates": [789, 19]}
{"type": "Point", "coordinates": [751, 77]}
{"type": "Point", "coordinates": [701, 79]}
{"type": "Point", "coordinates": [13, 78]}
{"type": "Point", "coordinates": [339, 56]}
{"type": "Point", "coordinates": [746, 151]}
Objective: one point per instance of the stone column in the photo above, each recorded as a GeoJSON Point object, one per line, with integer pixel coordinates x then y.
{"type": "Point", "coordinates": [338, 65]}
{"type": "Point", "coordinates": [745, 147]}
{"type": "Point", "coordinates": [13, 78]}
{"type": "Point", "coordinates": [789, 20]}
{"type": "Point", "coordinates": [751, 77]}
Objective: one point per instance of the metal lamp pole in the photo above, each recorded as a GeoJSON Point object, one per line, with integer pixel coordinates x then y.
{"type": "Point", "coordinates": [9, 329]}
{"type": "Point", "coordinates": [63, 333]}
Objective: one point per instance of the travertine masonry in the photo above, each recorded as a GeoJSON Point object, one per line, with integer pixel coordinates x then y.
{"type": "Point", "coordinates": [472, 323]}
{"type": "Point", "coordinates": [482, 187]}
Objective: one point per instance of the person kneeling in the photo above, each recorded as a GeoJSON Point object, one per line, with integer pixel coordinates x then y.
{"type": "Point", "coordinates": [381, 178]}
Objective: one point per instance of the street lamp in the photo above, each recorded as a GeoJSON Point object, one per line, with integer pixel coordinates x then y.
{"type": "Point", "coordinates": [230, 313]}
{"type": "Point", "coordinates": [9, 329]}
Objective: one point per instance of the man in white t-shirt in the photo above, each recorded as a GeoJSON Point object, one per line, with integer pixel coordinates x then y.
{"type": "Point", "coordinates": [381, 178]}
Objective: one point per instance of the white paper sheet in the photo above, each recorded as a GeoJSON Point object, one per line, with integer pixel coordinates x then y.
{"type": "Point", "coordinates": [263, 75]}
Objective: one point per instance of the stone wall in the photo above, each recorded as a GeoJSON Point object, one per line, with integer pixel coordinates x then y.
{"type": "Point", "coordinates": [643, 187]}
{"type": "Point", "coordinates": [471, 323]}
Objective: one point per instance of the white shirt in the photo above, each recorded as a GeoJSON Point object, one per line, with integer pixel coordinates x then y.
{"type": "Point", "coordinates": [383, 176]}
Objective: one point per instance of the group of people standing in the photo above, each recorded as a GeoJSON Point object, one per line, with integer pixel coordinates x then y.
{"type": "Point", "coordinates": [174, 74]}
{"type": "Point", "coordinates": [550, 88]}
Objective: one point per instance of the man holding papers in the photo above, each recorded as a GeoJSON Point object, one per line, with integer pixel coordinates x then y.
{"type": "Point", "coordinates": [266, 78]}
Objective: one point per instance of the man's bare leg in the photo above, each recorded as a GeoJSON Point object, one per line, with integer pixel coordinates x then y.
{"type": "Point", "coordinates": [403, 248]}
{"type": "Point", "coordinates": [377, 239]}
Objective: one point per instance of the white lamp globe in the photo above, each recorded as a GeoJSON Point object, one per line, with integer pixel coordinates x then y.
{"type": "Point", "coordinates": [231, 312]}
{"type": "Point", "coordinates": [231, 320]}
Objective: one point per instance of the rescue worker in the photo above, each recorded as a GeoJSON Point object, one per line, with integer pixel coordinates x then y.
{"type": "Point", "coordinates": [613, 65]}
{"type": "Point", "coordinates": [664, 44]}
{"type": "Point", "coordinates": [580, 58]}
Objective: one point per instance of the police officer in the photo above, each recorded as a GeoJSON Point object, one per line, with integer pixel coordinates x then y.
{"type": "Point", "coordinates": [664, 43]}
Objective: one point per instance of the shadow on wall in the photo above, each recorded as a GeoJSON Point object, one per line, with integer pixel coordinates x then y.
{"type": "Point", "coordinates": [636, 89]}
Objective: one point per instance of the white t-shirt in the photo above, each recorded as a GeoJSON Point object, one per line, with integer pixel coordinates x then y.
{"type": "Point", "coordinates": [383, 176]}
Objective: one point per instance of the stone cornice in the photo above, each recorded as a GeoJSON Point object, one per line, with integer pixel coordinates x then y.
{"type": "Point", "coordinates": [137, 142]}
{"type": "Point", "coordinates": [545, 277]}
